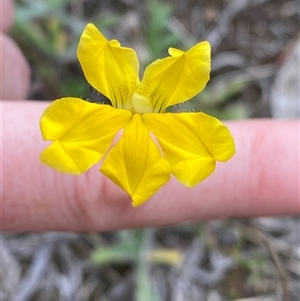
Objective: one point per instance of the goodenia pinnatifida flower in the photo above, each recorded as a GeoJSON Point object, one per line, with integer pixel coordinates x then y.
{"type": "Point", "coordinates": [153, 144]}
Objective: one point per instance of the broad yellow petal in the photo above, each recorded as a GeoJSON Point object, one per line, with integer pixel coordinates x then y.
{"type": "Point", "coordinates": [191, 143]}
{"type": "Point", "coordinates": [111, 69]}
{"type": "Point", "coordinates": [136, 164]}
{"type": "Point", "coordinates": [82, 133]}
{"type": "Point", "coordinates": [177, 78]}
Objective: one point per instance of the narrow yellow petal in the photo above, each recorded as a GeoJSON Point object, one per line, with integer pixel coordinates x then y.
{"type": "Point", "coordinates": [111, 69]}
{"type": "Point", "coordinates": [136, 164]}
{"type": "Point", "coordinates": [191, 143]}
{"type": "Point", "coordinates": [82, 133]}
{"type": "Point", "coordinates": [177, 78]}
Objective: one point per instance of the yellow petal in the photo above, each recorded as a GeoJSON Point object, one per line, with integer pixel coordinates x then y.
{"type": "Point", "coordinates": [82, 133]}
{"type": "Point", "coordinates": [136, 164]}
{"type": "Point", "coordinates": [191, 143]}
{"type": "Point", "coordinates": [111, 69]}
{"type": "Point", "coordinates": [178, 78]}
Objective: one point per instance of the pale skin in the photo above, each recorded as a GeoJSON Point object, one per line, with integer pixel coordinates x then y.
{"type": "Point", "coordinates": [262, 179]}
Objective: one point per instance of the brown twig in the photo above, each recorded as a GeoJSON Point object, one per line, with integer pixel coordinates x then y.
{"type": "Point", "coordinates": [277, 261]}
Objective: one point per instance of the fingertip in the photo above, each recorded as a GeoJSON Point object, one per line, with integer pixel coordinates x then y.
{"type": "Point", "coordinates": [14, 69]}
{"type": "Point", "coordinates": [6, 14]}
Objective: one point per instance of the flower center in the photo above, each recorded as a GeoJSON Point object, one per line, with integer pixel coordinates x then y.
{"type": "Point", "coordinates": [141, 103]}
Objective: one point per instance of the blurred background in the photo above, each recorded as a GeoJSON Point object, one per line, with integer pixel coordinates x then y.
{"type": "Point", "coordinates": [255, 74]}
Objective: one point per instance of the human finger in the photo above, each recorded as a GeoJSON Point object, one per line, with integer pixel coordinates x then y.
{"type": "Point", "coordinates": [6, 14]}
{"type": "Point", "coordinates": [262, 179]}
{"type": "Point", "coordinates": [14, 70]}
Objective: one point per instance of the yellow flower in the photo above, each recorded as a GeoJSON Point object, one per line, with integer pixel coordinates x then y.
{"type": "Point", "coordinates": [154, 144]}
